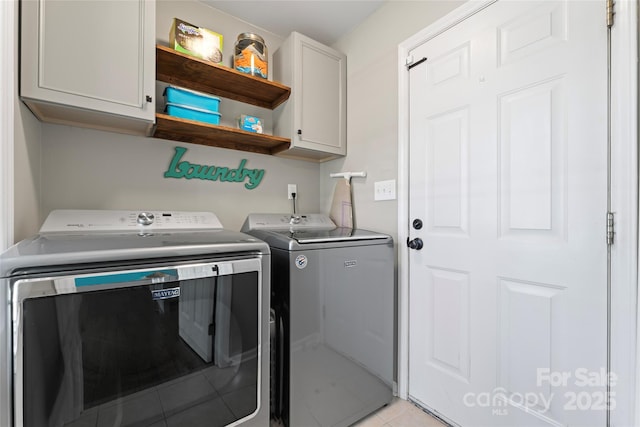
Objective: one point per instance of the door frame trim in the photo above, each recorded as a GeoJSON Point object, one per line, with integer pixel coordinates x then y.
{"type": "Point", "coordinates": [624, 203]}
{"type": "Point", "coordinates": [625, 261]}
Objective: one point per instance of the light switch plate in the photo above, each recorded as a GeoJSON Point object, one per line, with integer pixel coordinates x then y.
{"type": "Point", "coordinates": [384, 190]}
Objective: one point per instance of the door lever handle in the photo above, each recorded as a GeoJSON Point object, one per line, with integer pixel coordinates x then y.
{"type": "Point", "coordinates": [415, 243]}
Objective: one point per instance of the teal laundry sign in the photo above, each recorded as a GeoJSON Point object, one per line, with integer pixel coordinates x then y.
{"type": "Point", "coordinates": [179, 168]}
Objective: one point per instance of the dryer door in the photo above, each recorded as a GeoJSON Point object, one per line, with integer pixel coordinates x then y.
{"type": "Point", "coordinates": [173, 345]}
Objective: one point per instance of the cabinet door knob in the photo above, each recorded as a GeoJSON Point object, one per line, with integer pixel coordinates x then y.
{"type": "Point", "coordinates": [149, 99]}
{"type": "Point", "coordinates": [299, 131]}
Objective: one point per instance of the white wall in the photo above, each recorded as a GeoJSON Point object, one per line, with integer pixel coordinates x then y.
{"type": "Point", "coordinates": [88, 169]}
{"type": "Point", "coordinates": [372, 106]}
{"type": "Point", "coordinates": [27, 155]}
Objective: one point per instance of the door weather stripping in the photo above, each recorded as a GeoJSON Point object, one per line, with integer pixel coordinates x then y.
{"type": "Point", "coordinates": [410, 64]}
{"type": "Point", "coordinates": [610, 215]}
{"type": "Point", "coordinates": [610, 13]}
{"type": "Point", "coordinates": [610, 228]}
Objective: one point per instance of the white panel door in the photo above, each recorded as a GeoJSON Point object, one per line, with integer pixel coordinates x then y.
{"type": "Point", "coordinates": [508, 173]}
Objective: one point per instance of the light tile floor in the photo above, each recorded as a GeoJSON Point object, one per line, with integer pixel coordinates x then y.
{"type": "Point", "coordinates": [400, 413]}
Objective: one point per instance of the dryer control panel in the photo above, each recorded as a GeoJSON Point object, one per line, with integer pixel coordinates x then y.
{"type": "Point", "coordinates": [70, 220]}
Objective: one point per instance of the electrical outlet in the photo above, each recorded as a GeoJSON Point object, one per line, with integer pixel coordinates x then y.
{"type": "Point", "coordinates": [292, 188]}
{"type": "Point", "coordinates": [385, 190]}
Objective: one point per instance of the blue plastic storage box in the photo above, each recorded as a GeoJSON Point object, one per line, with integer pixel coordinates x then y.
{"type": "Point", "coordinates": [191, 113]}
{"type": "Point", "coordinates": [191, 98]}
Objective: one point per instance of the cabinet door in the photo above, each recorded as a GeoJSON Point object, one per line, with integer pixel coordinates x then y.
{"type": "Point", "coordinates": [93, 56]}
{"type": "Point", "coordinates": [320, 93]}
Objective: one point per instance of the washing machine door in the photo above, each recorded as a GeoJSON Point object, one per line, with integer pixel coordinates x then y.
{"type": "Point", "coordinates": [172, 344]}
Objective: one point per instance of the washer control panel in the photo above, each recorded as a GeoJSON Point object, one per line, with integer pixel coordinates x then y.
{"type": "Point", "coordinates": [113, 220]}
{"type": "Point", "coordinates": [288, 221]}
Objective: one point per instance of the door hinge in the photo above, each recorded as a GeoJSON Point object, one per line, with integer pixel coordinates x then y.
{"type": "Point", "coordinates": [610, 12]}
{"type": "Point", "coordinates": [610, 228]}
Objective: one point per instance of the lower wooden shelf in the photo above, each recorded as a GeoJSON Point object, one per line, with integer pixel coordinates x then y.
{"type": "Point", "coordinates": [183, 130]}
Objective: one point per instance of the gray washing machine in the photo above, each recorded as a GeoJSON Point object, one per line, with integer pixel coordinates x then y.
{"type": "Point", "coordinates": [333, 297]}
{"type": "Point", "coordinates": [124, 318]}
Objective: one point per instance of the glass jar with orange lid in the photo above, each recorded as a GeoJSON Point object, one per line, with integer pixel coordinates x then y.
{"type": "Point", "coordinates": [251, 55]}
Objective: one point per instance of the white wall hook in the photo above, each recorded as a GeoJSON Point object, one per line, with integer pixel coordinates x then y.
{"type": "Point", "coordinates": [348, 175]}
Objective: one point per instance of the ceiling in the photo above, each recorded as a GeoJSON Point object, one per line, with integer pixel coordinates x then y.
{"type": "Point", "coordinates": [323, 20]}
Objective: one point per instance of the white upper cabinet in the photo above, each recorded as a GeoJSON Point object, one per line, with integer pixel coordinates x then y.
{"type": "Point", "coordinates": [90, 63]}
{"type": "Point", "coordinates": [315, 115]}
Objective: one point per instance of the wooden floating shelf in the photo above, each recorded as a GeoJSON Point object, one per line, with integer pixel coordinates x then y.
{"type": "Point", "coordinates": [193, 73]}
{"type": "Point", "coordinates": [190, 131]}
